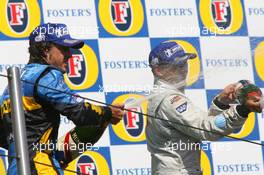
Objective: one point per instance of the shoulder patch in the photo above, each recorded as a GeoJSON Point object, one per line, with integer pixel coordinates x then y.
{"type": "Point", "coordinates": [174, 99]}
{"type": "Point", "coordinates": [220, 121]}
{"type": "Point", "coordinates": [182, 108]}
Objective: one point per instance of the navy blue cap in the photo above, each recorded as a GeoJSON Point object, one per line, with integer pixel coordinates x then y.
{"type": "Point", "coordinates": [56, 33]}
{"type": "Point", "coordinates": [169, 53]}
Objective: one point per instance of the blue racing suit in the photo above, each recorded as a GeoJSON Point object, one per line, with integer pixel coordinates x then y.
{"type": "Point", "coordinates": [42, 108]}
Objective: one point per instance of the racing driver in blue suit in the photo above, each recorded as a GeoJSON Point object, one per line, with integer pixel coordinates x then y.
{"type": "Point", "coordinates": [49, 51]}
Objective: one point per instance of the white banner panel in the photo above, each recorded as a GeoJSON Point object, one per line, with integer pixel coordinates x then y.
{"type": "Point", "coordinates": [225, 60]}
{"type": "Point", "coordinates": [254, 10]}
{"type": "Point", "coordinates": [132, 159]}
{"type": "Point", "coordinates": [168, 18]}
{"type": "Point", "coordinates": [78, 15]}
{"type": "Point", "coordinates": [124, 64]}
{"type": "Point", "coordinates": [237, 158]}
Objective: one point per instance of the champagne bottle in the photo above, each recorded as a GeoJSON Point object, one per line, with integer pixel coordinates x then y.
{"type": "Point", "coordinates": [79, 139]}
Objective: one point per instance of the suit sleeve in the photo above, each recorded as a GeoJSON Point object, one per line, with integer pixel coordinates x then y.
{"type": "Point", "coordinates": [3, 136]}
{"type": "Point", "coordinates": [76, 109]}
{"type": "Point", "coordinates": [184, 112]}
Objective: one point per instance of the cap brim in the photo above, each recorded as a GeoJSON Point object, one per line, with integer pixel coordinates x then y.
{"type": "Point", "coordinates": [185, 58]}
{"type": "Point", "coordinates": [190, 55]}
{"type": "Point", "coordinates": [72, 43]}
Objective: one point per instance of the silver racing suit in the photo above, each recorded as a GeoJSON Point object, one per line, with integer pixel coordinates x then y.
{"type": "Point", "coordinates": [164, 138]}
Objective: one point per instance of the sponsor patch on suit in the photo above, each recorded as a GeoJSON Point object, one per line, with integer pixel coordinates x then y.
{"type": "Point", "coordinates": [182, 108]}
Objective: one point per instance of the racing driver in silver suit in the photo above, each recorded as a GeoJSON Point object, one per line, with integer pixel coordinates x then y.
{"type": "Point", "coordinates": [169, 64]}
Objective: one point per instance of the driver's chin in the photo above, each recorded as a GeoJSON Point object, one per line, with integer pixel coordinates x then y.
{"type": "Point", "coordinates": [63, 68]}
{"type": "Point", "coordinates": [181, 79]}
{"type": "Point", "coordinates": [176, 80]}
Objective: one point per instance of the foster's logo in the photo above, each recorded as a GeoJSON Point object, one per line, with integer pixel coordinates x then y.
{"type": "Point", "coordinates": [132, 127]}
{"type": "Point", "coordinates": [222, 17]}
{"type": "Point", "coordinates": [86, 165]}
{"type": "Point", "coordinates": [222, 13]}
{"type": "Point", "coordinates": [19, 17]}
{"type": "Point", "coordinates": [259, 62]}
{"type": "Point", "coordinates": [121, 14]}
{"type": "Point", "coordinates": [121, 17]}
{"type": "Point", "coordinates": [92, 163]}
{"type": "Point", "coordinates": [83, 69]}
{"type": "Point", "coordinates": [134, 121]}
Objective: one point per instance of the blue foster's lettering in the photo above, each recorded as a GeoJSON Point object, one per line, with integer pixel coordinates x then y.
{"type": "Point", "coordinates": [226, 62]}
{"type": "Point", "coordinates": [125, 64]}
{"type": "Point", "coordinates": [68, 12]}
{"type": "Point", "coordinates": [171, 12]}
{"type": "Point", "coordinates": [238, 168]}
{"type": "Point", "coordinates": [134, 171]}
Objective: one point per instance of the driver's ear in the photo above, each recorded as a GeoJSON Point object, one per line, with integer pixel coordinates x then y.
{"type": "Point", "coordinates": [157, 71]}
{"type": "Point", "coordinates": [46, 55]}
